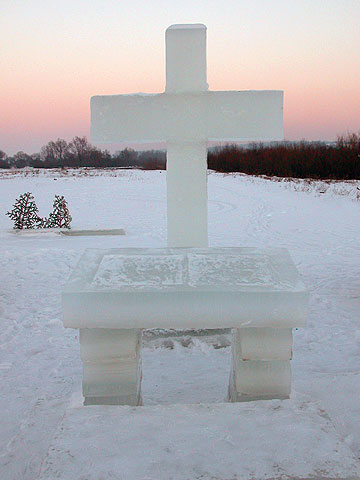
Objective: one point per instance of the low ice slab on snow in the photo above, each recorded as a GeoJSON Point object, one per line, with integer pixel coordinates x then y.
{"type": "Point", "coordinates": [185, 288]}
{"type": "Point", "coordinates": [90, 233]}
{"type": "Point", "coordinates": [69, 233]}
{"type": "Point", "coordinates": [262, 440]}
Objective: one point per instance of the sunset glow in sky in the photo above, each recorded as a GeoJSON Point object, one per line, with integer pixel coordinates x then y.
{"type": "Point", "coordinates": [55, 55]}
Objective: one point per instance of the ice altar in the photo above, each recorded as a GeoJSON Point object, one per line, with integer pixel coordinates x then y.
{"type": "Point", "coordinates": [113, 294]}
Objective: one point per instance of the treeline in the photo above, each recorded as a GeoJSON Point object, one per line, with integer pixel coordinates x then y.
{"type": "Point", "coordinates": [340, 160]}
{"type": "Point", "coordinates": [80, 153]}
{"type": "Point", "coordinates": [292, 159]}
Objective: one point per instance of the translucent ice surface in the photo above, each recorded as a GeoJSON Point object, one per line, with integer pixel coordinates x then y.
{"type": "Point", "coordinates": [256, 380]}
{"type": "Point", "coordinates": [142, 271]}
{"type": "Point", "coordinates": [109, 345]}
{"type": "Point", "coordinates": [186, 181]}
{"type": "Point", "coordinates": [262, 343]}
{"type": "Point", "coordinates": [231, 270]}
{"type": "Point", "coordinates": [184, 288]}
{"type": "Point", "coordinates": [111, 366]}
{"type": "Point", "coordinates": [187, 111]}
{"type": "Point", "coordinates": [197, 116]}
{"type": "Point", "coordinates": [186, 116]}
{"type": "Point", "coordinates": [186, 58]}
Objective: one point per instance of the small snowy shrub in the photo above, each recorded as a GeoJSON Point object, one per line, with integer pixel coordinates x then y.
{"type": "Point", "coordinates": [60, 216]}
{"type": "Point", "coordinates": [25, 214]}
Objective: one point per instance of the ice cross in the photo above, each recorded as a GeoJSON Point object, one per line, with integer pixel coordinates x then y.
{"type": "Point", "coordinates": [186, 116]}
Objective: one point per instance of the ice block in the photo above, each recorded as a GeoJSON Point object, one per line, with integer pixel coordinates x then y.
{"type": "Point", "coordinates": [185, 288]}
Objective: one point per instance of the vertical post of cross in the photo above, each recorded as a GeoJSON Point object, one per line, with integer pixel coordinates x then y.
{"type": "Point", "coordinates": [186, 168]}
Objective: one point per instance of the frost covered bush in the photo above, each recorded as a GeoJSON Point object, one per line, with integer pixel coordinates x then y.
{"type": "Point", "coordinates": [60, 216]}
{"type": "Point", "coordinates": [25, 213]}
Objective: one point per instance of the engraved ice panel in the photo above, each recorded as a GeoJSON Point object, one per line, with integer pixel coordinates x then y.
{"type": "Point", "coordinates": [138, 271]}
{"type": "Point", "coordinates": [254, 270]}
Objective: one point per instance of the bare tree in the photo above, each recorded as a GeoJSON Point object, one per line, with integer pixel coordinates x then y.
{"type": "Point", "coordinates": [349, 141]}
{"type": "Point", "coordinates": [81, 148]}
{"type": "Point", "coordinates": [55, 151]}
{"type": "Point", "coordinates": [21, 159]}
{"type": "Point", "coordinates": [3, 160]}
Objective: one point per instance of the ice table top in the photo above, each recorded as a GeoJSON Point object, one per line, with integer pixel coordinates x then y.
{"type": "Point", "coordinates": [185, 288]}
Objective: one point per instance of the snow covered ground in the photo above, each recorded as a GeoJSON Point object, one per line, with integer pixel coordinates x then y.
{"type": "Point", "coordinates": [40, 367]}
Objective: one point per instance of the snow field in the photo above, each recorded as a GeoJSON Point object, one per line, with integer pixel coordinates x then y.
{"type": "Point", "coordinates": [39, 360]}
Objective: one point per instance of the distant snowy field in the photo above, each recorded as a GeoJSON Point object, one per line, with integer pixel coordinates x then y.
{"type": "Point", "coordinates": [40, 368]}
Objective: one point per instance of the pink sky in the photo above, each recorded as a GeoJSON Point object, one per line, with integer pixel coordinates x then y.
{"type": "Point", "coordinates": [56, 55]}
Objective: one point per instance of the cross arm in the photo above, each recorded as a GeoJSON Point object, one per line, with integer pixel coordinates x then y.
{"type": "Point", "coordinates": [245, 115]}
{"type": "Point", "coordinates": [189, 117]}
{"type": "Point", "coordinates": [118, 118]}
